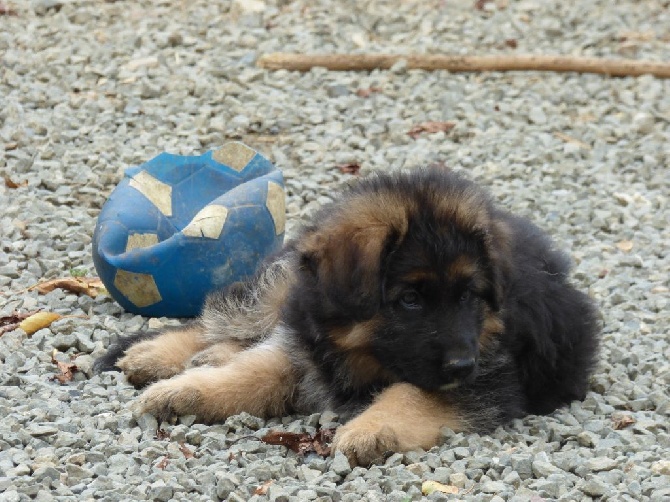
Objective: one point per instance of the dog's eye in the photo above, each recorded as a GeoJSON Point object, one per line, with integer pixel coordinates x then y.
{"type": "Point", "coordinates": [410, 300]}
{"type": "Point", "coordinates": [465, 296]}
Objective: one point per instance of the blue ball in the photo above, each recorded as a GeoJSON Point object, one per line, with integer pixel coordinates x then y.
{"type": "Point", "coordinates": [177, 227]}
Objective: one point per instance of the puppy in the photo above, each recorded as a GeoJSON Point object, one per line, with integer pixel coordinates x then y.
{"type": "Point", "coordinates": [410, 304]}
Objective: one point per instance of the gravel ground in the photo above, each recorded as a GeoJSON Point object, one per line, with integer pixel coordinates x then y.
{"type": "Point", "coordinates": [88, 87]}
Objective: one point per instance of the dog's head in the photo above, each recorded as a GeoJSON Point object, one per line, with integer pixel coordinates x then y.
{"type": "Point", "coordinates": [410, 271]}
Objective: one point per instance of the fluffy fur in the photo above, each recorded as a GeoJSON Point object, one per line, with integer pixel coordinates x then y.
{"type": "Point", "coordinates": [410, 304]}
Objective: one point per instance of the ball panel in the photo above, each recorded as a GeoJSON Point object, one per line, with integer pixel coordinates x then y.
{"type": "Point", "coordinates": [159, 193]}
{"type": "Point", "coordinates": [235, 154]}
{"type": "Point", "coordinates": [276, 204]}
{"type": "Point", "coordinates": [139, 289]}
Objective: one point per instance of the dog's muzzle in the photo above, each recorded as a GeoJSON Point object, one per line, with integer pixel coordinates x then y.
{"type": "Point", "coordinates": [457, 371]}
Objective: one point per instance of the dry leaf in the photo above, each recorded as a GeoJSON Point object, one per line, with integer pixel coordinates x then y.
{"type": "Point", "coordinates": [91, 286]}
{"type": "Point", "coordinates": [7, 10]}
{"type": "Point", "coordinates": [428, 487]}
{"type": "Point", "coordinates": [622, 421]}
{"type": "Point", "coordinates": [364, 93]}
{"type": "Point", "coordinates": [162, 434]}
{"type": "Point", "coordinates": [481, 4]}
{"type": "Point", "coordinates": [263, 489]}
{"type": "Point", "coordinates": [351, 168]}
{"type": "Point", "coordinates": [11, 322]}
{"type": "Point", "coordinates": [625, 246]}
{"type": "Point", "coordinates": [302, 443]}
{"type": "Point", "coordinates": [512, 43]}
{"type": "Point", "coordinates": [570, 139]}
{"type": "Point", "coordinates": [66, 369]}
{"type": "Point", "coordinates": [185, 451]}
{"type": "Point", "coordinates": [9, 183]}
{"type": "Point", "coordinates": [638, 36]}
{"type": "Point", "coordinates": [163, 463]}
{"type": "Point", "coordinates": [38, 321]}
{"type": "Point", "coordinates": [430, 128]}
{"type": "Point", "coordinates": [322, 440]}
{"type": "Point", "coordinates": [296, 442]}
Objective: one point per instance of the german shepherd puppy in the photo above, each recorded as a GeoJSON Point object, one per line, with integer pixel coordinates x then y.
{"type": "Point", "coordinates": [410, 304]}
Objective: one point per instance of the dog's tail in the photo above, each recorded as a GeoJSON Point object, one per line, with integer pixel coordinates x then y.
{"type": "Point", "coordinates": [247, 312]}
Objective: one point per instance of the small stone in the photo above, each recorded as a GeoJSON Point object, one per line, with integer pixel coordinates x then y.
{"type": "Point", "coordinates": [11, 496]}
{"type": "Point", "coordinates": [63, 342]}
{"type": "Point", "coordinates": [76, 473]}
{"type": "Point", "coordinates": [340, 464]}
{"type": "Point", "coordinates": [394, 460]}
{"type": "Point", "coordinates": [147, 422]}
{"type": "Point", "coordinates": [225, 484]}
{"type": "Point", "coordinates": [328, 417]}
{"type": "Point", "coordinates": [493, 487]}
{"type": "Point", "coordinates": [543, 469]}
{"type": "Point", "coordinates": [537, 116]}
{"type": "Point", "coordinates": [418, 469]}
{"type": "Point", "coordinates": [149, 91]}
{"type": "Point", "coordinates": [187, 420]}
{"type": "Point", "coordinates": [588, 439]}
{"type": "Point", "coordinates": [546, 487]}
{"type": "Point", "coordinates": [644, 122]}
{"type": "Point", "coordinates": [309, 475]}
{"type": "Point", "coordinates": [277, 493]}
{"type": "Point", "coordinates": [661, 467]}
{"type": "Point", "coordinates": [512, 478]}
{"type": "Point", "coordinates": [661, 495]}
{"type": "Point", "coordinates": [458, 479]}
{"type": "Point", "coordinates": [337, 91]}
{"type": "Point", "coordinates": [44, 496]}
{"type": "Point", "coordinates": [522, 464]}
{"type": "Point", "coordinates": [601, 464]}
{"type": "Point", "coordinates": [160, 491]}
{"type": "Point", "coordinates": [46, 473]}
{"type": "Point", "coordinates": [441, 475]}
{"type": "Point", "coordinates": [37, 430]}
{"type": "Point", "coordinates": [594, 488]}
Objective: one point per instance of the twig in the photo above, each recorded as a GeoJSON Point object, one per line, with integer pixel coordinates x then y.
{"type": "Point", "coordinates": [368, 62]}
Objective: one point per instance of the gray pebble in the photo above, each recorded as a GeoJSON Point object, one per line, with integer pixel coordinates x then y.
{"type": "Point", "coordinates": [340, 464]}
{"type": "Point", "coordinates": [582, 155]}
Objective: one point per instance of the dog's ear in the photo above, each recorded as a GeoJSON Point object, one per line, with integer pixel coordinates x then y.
{"type": "Point", "coordinates": [347, 262]}
{"type": "Point", "coordinates": [498, 245]}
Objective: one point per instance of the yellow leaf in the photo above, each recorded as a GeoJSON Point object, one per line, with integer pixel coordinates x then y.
{"type": "Point", "coordinates": [91, 286]}
{"type": "Point", "coordinates": [428, 487]}
{"type": "Point", "coordinates": [38, 321]}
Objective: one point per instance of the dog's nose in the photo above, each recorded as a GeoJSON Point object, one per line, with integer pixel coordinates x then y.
{"type": "Point", "coordinates": [458, 369]}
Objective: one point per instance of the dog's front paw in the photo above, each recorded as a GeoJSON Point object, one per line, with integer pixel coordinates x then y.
{"type": "Point", "coordinates": [365, 443]}
{"type": "Point", "coordinates": [144, 363]}
{"type": "Point", "coordinates": [168, 398]}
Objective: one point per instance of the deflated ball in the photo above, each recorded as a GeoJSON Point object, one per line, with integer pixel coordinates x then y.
{"type": "Point", "coordinates": [177, 227]}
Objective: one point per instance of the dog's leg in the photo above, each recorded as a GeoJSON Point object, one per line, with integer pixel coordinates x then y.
{"type": "Point", "coordinates": [162, 356]}
{"type": "Point", "coordinates": [218, 354]}
{"type": "Point", "coordinates": [259, 380]}
{"type": "Point", "coordinates": [402, 418]}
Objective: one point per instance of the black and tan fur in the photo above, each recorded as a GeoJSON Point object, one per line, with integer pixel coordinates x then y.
{"type": "Point", "coordinates": [410, 304]}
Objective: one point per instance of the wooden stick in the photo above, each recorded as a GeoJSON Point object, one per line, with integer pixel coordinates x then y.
{"type": "Point", "coordinates": [368, 62]}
